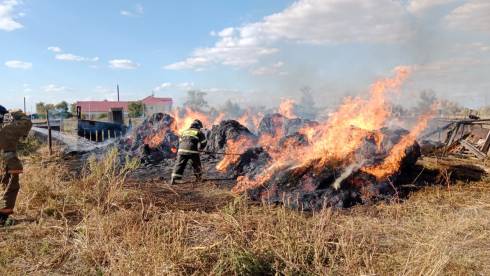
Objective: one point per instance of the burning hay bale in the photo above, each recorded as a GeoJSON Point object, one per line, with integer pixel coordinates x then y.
{"type": "Point", "coordinates": [277, 125]}
{"type": "Point", "coordinates": [298, 124]}
{"type": "Point", "coordinates": [228, 130]}
{"type": "Point", "coordinates": [293, 140]}
{"type": "Point", "coordinates": [308, 187]}
{"type": "Point", "coordinates": [347, 159]}
{"type": "Point", "coordinates": [250, 163]}
{"type": "Point", "coordinates": [155, 139]}
{"type": "Point", "coordinates": [273, 125]}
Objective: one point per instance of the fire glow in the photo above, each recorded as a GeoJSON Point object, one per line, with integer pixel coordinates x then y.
{"type": "Point", "coordinates": [335, 141]}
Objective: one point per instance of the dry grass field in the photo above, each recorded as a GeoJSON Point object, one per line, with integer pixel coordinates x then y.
{"type": "Point", "coordinates": [96, 223]}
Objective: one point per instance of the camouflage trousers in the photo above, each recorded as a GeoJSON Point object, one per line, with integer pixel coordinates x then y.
{"type": "Point", "coordinates": [11, 187]}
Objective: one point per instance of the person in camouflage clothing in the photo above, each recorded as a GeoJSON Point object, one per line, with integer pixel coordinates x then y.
{"type": "Point", "coordinates": [13, 127]}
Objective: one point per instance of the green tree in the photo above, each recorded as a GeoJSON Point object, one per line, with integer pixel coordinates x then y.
{"type": "Point", "coordinates": [73, 108]}
{"type": "Point", "coordinates": [135, 109]}
{"type": "Point", "coordinates": [62, 107]}
{"type": "Point", "coordinates": [40, 108]}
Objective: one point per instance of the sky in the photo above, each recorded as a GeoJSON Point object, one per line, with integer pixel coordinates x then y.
{"type": "Point", "coordinates": [253, 52]}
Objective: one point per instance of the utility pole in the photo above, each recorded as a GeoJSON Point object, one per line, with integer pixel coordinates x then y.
{"type": "Point", "coordinates": [117, 92]}
{"type": "Point", "coordinates": [25, 110]}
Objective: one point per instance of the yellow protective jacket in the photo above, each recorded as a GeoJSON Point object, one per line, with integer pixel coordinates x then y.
{"type": "Point", "coordinates": [10, 134]}
{"type": "Point", "coordinates": [191, 141]}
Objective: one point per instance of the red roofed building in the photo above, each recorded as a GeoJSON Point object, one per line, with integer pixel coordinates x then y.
{"type": "Point", "coordinates": [154, 105]}
{"type": "Point", "coordinates": [98, 109]}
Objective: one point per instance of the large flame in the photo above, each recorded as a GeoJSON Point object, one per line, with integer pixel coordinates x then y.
{"type": "Point", "coordinates": [333, 141]}
{"type": "Point", "coordinates": [337, 139]}
{"type": "Point", "coordinates": [286, 108]}
{"type": "Point", "coordinates": [391, 163]}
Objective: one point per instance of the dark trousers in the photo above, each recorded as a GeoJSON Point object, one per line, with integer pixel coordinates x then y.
{"type": "Point", "coordinates": [181, 163]}
{"type": "Point", "coordinates": [11, 189]}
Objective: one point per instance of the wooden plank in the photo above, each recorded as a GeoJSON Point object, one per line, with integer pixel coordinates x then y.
{"type": "Point", "coordinates": [486, 145]}
{"type": "Point", "coordinates": [473, 149]}
{"type": "Point", "coordinates": [438, 130]}
{"type": "Point", "coordinates": [485, 126]}
{"type": "Point", "coordinates": [453, 135]}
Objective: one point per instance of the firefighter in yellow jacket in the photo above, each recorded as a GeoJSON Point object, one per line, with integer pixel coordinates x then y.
{"type": "Point", "coordinates": [13, 127]}
{"type": "Point", "coordinates": [191, 142]}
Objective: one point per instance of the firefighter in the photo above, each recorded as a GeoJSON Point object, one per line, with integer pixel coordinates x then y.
{"type": "Point", "coordinates": [191, 142]}
{"type": "Point", "coordinates": [13, 127]}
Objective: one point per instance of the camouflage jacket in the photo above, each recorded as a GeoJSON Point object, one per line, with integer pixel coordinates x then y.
{"type": "Point", "coordinates": [10, 134]}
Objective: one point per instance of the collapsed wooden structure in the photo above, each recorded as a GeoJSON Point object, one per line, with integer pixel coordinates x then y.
{"type": "Point", "coordinates": [467, 136]}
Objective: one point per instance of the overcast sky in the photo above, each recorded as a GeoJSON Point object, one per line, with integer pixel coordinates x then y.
{"type": "Point", "coordinates": [253, 51]}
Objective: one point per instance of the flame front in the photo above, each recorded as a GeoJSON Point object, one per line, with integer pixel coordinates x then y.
{"type": "Point", "coordinates": [392, 162]}
{"type": "Point", "coordinates": [336, 140]}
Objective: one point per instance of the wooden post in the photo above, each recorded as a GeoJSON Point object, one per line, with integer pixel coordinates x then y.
{"type": "Point", "coordinates": [50, 139]}
{"type": "Point", "coordinates": [96, 135]}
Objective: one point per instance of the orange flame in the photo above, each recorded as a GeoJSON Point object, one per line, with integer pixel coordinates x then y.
{"type": "Point", "coordinates": [234, 147]}
{"type": "Point", "coordinates": [391, 163]}
{"type": "Point", "coordinates": [249, 120]}
{"type": "Point", "coordinates": [155, 139]}
{"type": "Point", "coordinates": [340, 136]}
{"type": "Point", "coordinates": [184, 121]}
{"type": "Point", "coordinates": [286, 108]}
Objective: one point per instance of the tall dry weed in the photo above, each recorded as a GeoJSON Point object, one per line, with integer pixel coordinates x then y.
{"type": "Point", "coordinates": [94, 224]}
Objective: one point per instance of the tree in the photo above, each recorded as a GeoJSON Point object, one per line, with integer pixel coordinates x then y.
{"type": "Point", "coordinates": [232, 109]}
{"type": "Point", "coordinates": [196, 100]}
{"type": "Point", "coordinates": [73, 108]}
{"type": "Point", "coordinates": [426, 99]}
{"type": "Point", "coordinates": [62, 107]}
{"type": "Point", "coordinates": [307, 97]}
{"type": "Point", "coordinates": [306, 107]}
{"type": "Point", "coordinates": [135, 109]}
{"type": "Point", "coordinates": [449, 108]}
{"type": "Point", "coordinates": [40, 108]}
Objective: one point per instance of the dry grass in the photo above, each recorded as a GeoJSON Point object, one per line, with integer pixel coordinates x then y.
{"type": "Point", "coordinates": [93, 224]}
